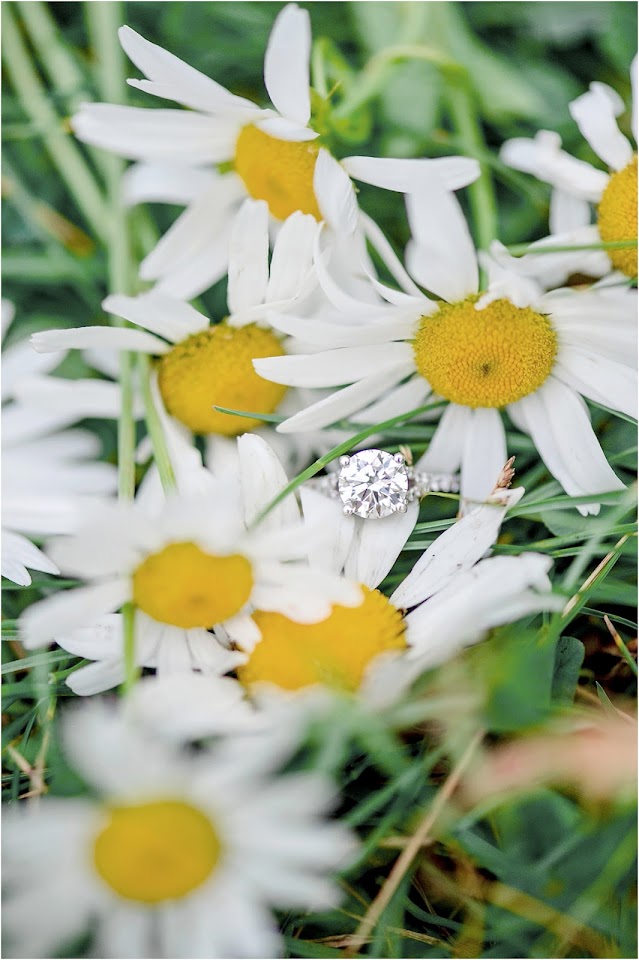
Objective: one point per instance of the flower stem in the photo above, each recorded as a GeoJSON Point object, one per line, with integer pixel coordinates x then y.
{"type": "Point", "coordinates": [103, 20]}
{"type": "Point", "coordinates": [154, 427]}
{"type": "Point", "coordinates": [463, 112]}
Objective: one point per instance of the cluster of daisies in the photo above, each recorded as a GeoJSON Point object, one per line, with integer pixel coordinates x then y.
{"type": "Point", "coordinates": [231, 604]}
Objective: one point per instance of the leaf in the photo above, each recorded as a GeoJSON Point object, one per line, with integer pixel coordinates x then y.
{"type": "Point", "coordinates": [569, 656]}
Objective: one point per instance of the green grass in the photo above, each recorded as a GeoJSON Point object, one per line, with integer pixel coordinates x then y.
{"type": "Point", "coordinates": [547, 874]}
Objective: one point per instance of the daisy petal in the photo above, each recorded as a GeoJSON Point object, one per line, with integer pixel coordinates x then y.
{"type": "Point", "coordinates": [558, 422]}
{"type": "Point", "coordinates": [484, 454]}
{"type": "Point", "coordinates": [406, 176]}
{"type": "Point", "coordinates": [407, 396]}
{"type": "Point", "coordinates": [595, 114]}
{"type": "Point", "coordinates": [292, 260]}
{"type": "Point", "coordinates": [444, 453]}
{"type": "Point", "coordinates": [173, 79]}
{"type": "Point", "coordinates": [248, 257]}
{"type": "Point", "coordinates": [172, 319]}
{"type": "Point", "coordinates": [335, 194]}
{"type": "Point", "coordinates": [323, 513]}
{"type": "Point", "coordinates": [79, 338]}
{"type": "Point", "coordinates": [379, 544]}
{"type": "Point", "coordinates": [161, 183]}
{"type": "Point", "coordinates": [457, 549]}
{"type": "Point", "coordinates": [65, 611]}
{"type": "Point", "coordinates": [18, 553]}
{"type": "Point", "coordinates": [442, 254]}
{"type": "Point", "coordinates": [286, 64]}
{"type": "Point", "coordinates": [544, 158]}
{"type": "Point", "coordinates": [262, 477]}
{"type": "Point", "coordinates": [332, 368]}
{"type": "Point", "coordinates": [168, 136]}
{"type": "Point", "coordinates": [600, 379]}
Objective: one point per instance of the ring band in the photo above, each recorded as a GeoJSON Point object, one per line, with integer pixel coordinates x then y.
{"type": "Point", "coordinates": [374, 484]}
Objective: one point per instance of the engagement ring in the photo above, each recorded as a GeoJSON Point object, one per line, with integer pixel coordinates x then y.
{"type": "Point", "coordinates": [373, 484]}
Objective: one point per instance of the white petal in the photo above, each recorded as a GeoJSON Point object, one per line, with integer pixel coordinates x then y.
{"type": "Point", "coordinates": [406, 176]}
{"type": "Point", "coordinates": [441, 255]}
{"type": "Point", "coordinates": [544, 158]}
{"type": "Point", "coordinates": [73, 399]}
{"type": "Point", "coordinates": [507, 284]}
{"type": "Point", "coordinates": [282, 129]}
{"type": "Point", "coordinates": [292, 260]}
{"type": "Point", "coordinates": [560, 427]}
{"type": "Point", "coordinates": [286, 64]}
{"type": "Point", "coordinates": [344, 402]}
{"type": "Point", "coordinates": [332, 368]}
{"type": "Point", "coordinates": [379, 544]}
{"type": "Point", "coordinates": [262, 477]}
{"type": "Point", "coordinates": [327, 553]}
{"type": "Point", "coordinates": [19, 361]}
{"type": "Point", "coordinates": [392, 261]}
{"type": "Point", "coordinates": [172, 319]}
{"type": "Point", "coordinates": [175, 80]}
{"type": "Point", "coordinates": [325, 334]}
{"type": "Point", "coordinates": [65, 611]}
{"type": "Point", "coordinates": [335, 194]}
{"type": "Point", "coordinates": [200, 234]}
{"type": "Point", "coordinates": [457, 549]}
{"type": "Point", "coordinates": [161, 183]}
{"type": "Point", "coordinates": [484, 454]}
{"type": "Point", "coordinates": [600, 379]}
{"type": "Point", "coordinates": [96, 677]}
{"type": "Point", "coordinates": [595, 114]}
{"type": "Point", "coordinates": [444, 452]}
{"type": "Point", "coordinates": [167, 136]}
{"type": "Point", "coordinates": [635, 105]}
{"type": "Point", "coordinates": [567, 212]}
{"type": "Point", "coordinates": [248, 256]}
{"type": "Point", "coordinates": [19, 553]}
{"type": "Point", "coordinates": [407, 396]}
{"type": "Point", "coordinates": [79, 338]}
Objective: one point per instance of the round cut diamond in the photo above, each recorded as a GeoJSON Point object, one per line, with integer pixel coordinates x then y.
{"type": "Point", "coordinates": [373, 484]}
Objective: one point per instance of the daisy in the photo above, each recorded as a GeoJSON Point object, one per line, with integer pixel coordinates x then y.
{"type": "Point", "coordinates": [448, 601]}
{"type": "Point", "coordinates": [225, 148]}
{"type": "Point", "coordinates": [514, 347]}
{"type": "Point", "coordinates": [577, 184]}
{"type": "Point", "coordinates": [47, 472]}
{"type": "Point", "coordinates": [174, 854]}
{"type": "Point", "coordinates": [189, 565]}
{"type": "Point", "coordinates": [201, 365]}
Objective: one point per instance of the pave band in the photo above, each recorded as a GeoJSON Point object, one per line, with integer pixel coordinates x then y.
{"type": "Point", "coordinates": [374, 484]}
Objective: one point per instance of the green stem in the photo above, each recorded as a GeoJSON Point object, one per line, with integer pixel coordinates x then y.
{"type": "Point", "coordinates": [104, 20]}
{"type": "Point", "coordinates": [37, 105]}
{"type": "Point", "coordinates": [519, 249]}
{"type": "Point", "coordinates": [337, 451]}
{"type": "Point", "coordinates": [154, 427]}
{"type": "Point", "coordinates": [463, 111]}
{"type": "Point", "coordinates": [131, 670]}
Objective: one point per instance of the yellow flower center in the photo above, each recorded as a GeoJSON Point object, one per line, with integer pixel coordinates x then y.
{"type": "Point", "coordinates": [215, 367]}
{"type": "Point", "coordinates": [485, 358]}
{"type": "Point", "coordinates": [617, 216]}
{"type": "Point", "coordinates": [156, 851]}
{"type": "Point", "coordinates": [278, 171]}
{"type": "Point", "coordinates": [186, 587]}
{"type": "Point", "coordinates": [335, 652]}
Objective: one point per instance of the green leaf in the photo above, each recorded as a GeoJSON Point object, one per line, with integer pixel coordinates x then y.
{"type": "Point", "coordinates": [569, 656]}
{"type": "Point", "coordinates": [517, 673]}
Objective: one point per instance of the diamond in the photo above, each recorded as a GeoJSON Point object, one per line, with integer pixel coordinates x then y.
{"type": "Point", "coordinates": [373, 484]}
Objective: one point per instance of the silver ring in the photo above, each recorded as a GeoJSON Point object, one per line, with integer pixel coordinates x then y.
{"type": "Point", "coordinates": [374, 484]}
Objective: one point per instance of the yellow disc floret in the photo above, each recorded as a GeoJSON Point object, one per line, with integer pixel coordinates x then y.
{"type": "Point", "coordinates": [153, 852]}
{"type": "Point", "coordinates": [617, 216]}
{"type": "Point", "coordinates": [485, 358]}
{"type": "Point", "coordinates": [184, 586]}
{"type": "Point", "coordinates": [215, 367]}
{"type": "Point", "coordinates": [335, 652]}
{"type": "Point", "coordinates": [278, 171]}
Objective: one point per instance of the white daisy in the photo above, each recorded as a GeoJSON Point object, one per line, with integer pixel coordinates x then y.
{"type": "Point", "coordinates": [201, 365]}
{"type": "Point", "coordinates": [448, 600]}
{"type": "Point", "coordinates": [174, 854]}
{"type": "Point", "coordinates": [513, 347]}
{"type": "Point", "coordinates": [189, 566]}
{"type": "Point", "coordinates": [577, 184]}
{"type": "Point", "coordinates": [225, 148]}
{"type": "Point", "coordinates": [47, 472]}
